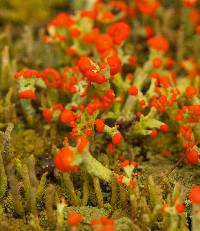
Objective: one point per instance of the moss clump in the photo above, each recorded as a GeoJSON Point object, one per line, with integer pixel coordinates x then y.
{"type": "Point", "coordinates": [28, 142]}
{"type": "Point", "coordinates": [8, 204]}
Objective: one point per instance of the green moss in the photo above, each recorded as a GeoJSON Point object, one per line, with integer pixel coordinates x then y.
{"type": "Point", "coordinates": [43, 220]}
{"type": "Point", "coordinates": [9, 224]}
{"type": "Point", "coordinates": [41, 190]}
{"type": "Point", "coordinates": [160, 167]}
{"type": "Point", "coordinates": [3, 179]}
{"type": "Point", "coordinates": [8, 204]}
{"type": "Point", "coordinates": [28, 142]}
{"type": "Point", "coordinates": [124, 224]}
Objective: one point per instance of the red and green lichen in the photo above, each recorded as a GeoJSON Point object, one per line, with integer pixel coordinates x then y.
{"type": "Point", "coordinates": [92, 96]}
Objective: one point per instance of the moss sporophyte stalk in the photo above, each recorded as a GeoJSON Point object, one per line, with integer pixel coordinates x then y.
{"type": "Point", "coordinates": [79, 133]}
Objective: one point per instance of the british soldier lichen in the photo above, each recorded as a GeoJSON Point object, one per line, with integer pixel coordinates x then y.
{"type": "Point", "coordinates": [103, 98]}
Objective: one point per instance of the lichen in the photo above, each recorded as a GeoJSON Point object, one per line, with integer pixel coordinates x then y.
{"type": "Point", "coordinates": [34, 194]}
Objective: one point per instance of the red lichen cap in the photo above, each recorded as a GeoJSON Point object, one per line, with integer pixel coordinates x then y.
{"type": "Point", "coordinates": [157, 62]}
{"type": "Point", "coordinates": [194, 195]}
{"type": "Point", "coordinates": [164, 128]}
{"type": "Point", "coordinates": [74, 219]}
{"type": "Point", "coordinates": [154, 133]}
{"type": "Point", "coordinates": [148, 7]}
{"type": "Point", "coordinates": [124, 163]}
{"type": "Point", "coordinates": [192, 157]}
{"type": "Point", "coordinates": [189, 3]}
{"type": "Point", "coordinates": [103, 42]}
{"type": "Point", "coordinates": [119, 32]}
{"type": "Point", "coordinates": [105, 221]}
{"type": "Point", "coordinates": [100, 125]}
{"type": "Point", "coordinates": [82, 142]}
{"type": "Point", "coordinates": [117, 138]}
{"type": "Point", "coordinates": [85, 64]}
{"type": "Point", "coordinates": [190, 92]}
{"type": "Point", "coordinates": [115, 64]}
{"type": "Point", "coordinates": [67, 116]}
{"type": "Point", "coordinates": [180, 207]}
{"type": "Point", "coordinates": [63, 159]}
{"type": "Point", "coordinates": [158, 43]}
{"type": "Point", "coordinates": [133, 91]}
{"type": "Point", "coordinates": [27, 94]}
{"type": "Point", "coordinates": [95, 77]}
{"type": "Point", "coordinates": [62, 20]}
{"type": "Point", "coordinates": [51, 77]}
{"type": "Point", "coordinates": [47, 114]}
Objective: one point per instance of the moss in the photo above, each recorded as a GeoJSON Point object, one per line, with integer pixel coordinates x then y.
{"type": "Point", "coordinates": [8, 204]}
{"type": "Point", "coordinates": [43, 220]}
{"type": "Point", "coordinates": [8, 224]}
{"type": "Point", "coordinates": [3, 179]}
{"type": "Point", "coordinates": [49, 206]}
{"type": "Point", "coordinates": [124, 224]}
{"type": "Point", "coordinates": [160, 168]}
{"type": "Point", "coordinates": [41, 190]}
{"type": "Point", "coordinates": [28, 142]}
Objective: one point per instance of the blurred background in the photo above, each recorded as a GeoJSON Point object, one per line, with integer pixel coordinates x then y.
{"type": "Point", "coordinates": [22, 26]}
{"type": "Point", "coordinates": [33, 11]}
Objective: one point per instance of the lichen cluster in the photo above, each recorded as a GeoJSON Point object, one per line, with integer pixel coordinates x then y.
{"type": "Point", "coordinates": [100, 117]}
